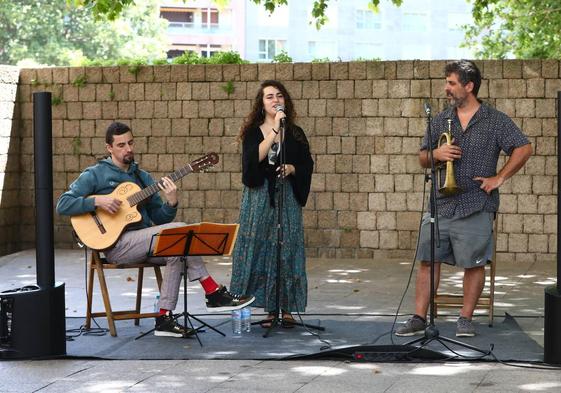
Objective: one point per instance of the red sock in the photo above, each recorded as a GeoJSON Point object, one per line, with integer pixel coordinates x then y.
{"type": "Point", "coordinates": [209, 285]}
{"type": "Point", "coordinates": [163, 311]}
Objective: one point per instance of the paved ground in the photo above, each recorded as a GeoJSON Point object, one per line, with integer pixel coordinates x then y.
{"type": "Point", "coordinates": [335, 286]}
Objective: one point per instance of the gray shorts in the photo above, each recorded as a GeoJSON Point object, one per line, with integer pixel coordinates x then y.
{"type": "Point", "coordinates": [464, 241]}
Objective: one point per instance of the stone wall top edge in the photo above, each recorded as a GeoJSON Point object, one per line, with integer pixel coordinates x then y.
{"type": "Point", "coordinates": [298, 71]}
{"type": "Point", "coordinates": [295, 63]}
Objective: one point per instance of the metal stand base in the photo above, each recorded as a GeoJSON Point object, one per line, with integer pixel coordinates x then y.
{"type": "Point", "coordinates": [432, 334]}
{"type": "Point", "coordinates": [277, 322]}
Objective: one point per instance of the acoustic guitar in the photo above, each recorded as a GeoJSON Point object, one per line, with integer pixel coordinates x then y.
{"type": "Point", "coordinates": [100, 230]}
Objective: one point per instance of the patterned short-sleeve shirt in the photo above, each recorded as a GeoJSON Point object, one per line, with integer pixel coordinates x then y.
{"type": "Point", "coordinates": [488, 132]}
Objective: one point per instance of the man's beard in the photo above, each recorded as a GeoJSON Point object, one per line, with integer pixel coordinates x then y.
{"type": "Point", "coordinates": [455, 102]}
{"type": "Point", "coordinates": [128, 159]}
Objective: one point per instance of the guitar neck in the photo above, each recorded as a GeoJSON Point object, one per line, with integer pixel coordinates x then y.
{"type": "Point", "coordinates": [147, 192]}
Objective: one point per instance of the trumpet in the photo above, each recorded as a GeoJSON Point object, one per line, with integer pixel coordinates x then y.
{"type": "Point", "coordinates": [445, 176]}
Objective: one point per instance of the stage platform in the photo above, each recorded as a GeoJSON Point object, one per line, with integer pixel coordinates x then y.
{"type": "Point", "coordinates": [355, 300]}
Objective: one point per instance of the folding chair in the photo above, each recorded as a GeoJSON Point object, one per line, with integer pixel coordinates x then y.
{"type": "Point", "coordinates": [98, 265]}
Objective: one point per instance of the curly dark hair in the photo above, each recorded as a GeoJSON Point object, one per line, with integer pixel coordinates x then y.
{"type": "Point", "coordinates": [257, 115]}
{"type": "Point", "coordinates": [467, 72]}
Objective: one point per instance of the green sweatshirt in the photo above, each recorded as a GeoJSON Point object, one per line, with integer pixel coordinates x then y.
{"type": "Point", "coordinates": [103, 178]}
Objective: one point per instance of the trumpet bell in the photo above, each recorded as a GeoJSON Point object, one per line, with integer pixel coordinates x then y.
{"type": "Point", "coordinates": [445, 175]}
{"type": "Point", "coordinates": [449, 190]}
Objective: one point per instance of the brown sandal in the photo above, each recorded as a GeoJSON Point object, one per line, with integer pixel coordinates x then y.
{"type": "Point", "coordinates": [288, 320]}
{"type": "Point", "coordinates": [268, 322]}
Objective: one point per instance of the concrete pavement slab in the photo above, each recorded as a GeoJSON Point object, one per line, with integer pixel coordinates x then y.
{"type": "Point", "coordinates": [343, 286]}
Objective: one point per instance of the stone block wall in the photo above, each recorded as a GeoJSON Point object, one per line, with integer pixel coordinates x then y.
{"type": "Point", "coordinates": [9, 162]}
{"type": "Point", "coordinates": [364, 121]}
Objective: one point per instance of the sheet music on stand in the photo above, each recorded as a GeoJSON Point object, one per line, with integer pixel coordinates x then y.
{"type": "Point", "coordinates": [202, 239]}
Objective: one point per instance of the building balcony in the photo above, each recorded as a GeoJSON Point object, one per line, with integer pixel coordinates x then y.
{"type": "Point", "coordinates": [190, 28]}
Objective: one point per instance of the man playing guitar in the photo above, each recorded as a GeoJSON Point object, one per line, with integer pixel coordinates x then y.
{"type": "Point", "coordinates": [89, 192]}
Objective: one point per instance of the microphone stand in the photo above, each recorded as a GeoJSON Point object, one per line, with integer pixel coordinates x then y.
{"type": "Point", "coordinates": [431, 331]}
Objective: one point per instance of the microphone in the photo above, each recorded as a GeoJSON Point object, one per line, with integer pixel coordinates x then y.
{"type": "Point", "coordinates": [427, 108]}
{"type": "Point", "coordinates": [280, 108]}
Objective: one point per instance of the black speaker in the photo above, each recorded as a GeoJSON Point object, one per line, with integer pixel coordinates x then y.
{"type": "Point", "coordinates": [552, 310]}
{"type": "Point", "coordinates": [552, 326]}
{"type": "Point", "coordinates": [32, 322]}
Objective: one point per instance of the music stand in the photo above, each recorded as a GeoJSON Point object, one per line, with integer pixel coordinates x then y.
{"type": "Point", "coordinates": [204, 239]}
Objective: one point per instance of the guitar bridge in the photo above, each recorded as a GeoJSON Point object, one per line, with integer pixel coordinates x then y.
{"type": "Point", "coordinates": [98, 223]}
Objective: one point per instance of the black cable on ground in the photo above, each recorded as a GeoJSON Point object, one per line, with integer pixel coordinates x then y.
{"type": "Point", "coordinates": [412, 264]}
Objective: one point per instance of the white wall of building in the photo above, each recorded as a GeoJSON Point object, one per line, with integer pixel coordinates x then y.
{"type": "Point", "coordinates": [419, 29]}
{"type": "Point", "coordinates": [416, 30]}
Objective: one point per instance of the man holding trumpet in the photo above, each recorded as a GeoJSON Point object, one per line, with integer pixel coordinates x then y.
{"type": "Point", "coordinates": [465, 216]}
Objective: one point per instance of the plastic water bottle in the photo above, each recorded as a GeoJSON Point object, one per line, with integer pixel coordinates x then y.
{"type": "Point", "coordinates": [237, 323]}
{"type": "Point", "coordinates": [157, 303]}
{"type": "Point", "coordinates": [246, 319]}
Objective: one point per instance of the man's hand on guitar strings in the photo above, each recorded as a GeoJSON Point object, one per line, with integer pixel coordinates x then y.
{"type": "Point", "coordinates": [170, 190]}
{"type": "Point", "coordinates": [110, 205]}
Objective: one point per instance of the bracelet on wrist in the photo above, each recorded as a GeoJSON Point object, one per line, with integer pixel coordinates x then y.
{"type": "Point", "coordinates": [275, 131]}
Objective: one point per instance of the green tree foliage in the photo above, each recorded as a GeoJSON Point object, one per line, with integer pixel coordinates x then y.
{"type": "Point", "coordinates": [101, 9]}
{"type": "Point", "coordinates": [524, 29]}
{"type": "Point", "coordinates": [54, 32]}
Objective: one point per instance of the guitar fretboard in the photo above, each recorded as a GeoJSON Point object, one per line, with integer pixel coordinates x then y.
{"type": "Point", "coordinates": [147, 192]}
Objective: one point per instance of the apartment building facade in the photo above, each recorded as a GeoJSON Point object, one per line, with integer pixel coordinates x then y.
{"type": "Point", "coordinates": [417, 30]}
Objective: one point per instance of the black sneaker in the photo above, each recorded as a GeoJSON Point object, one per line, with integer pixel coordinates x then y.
{"type": "Point", "coordinates": [222, 300]}
{"type": "Point", "coordinates": [166, 326]}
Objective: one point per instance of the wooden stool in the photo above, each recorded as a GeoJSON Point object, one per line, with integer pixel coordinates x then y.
{"type": "Point", "coordinates": [485, 302]}
{"type": "Point", "coordinates": [99, 265]}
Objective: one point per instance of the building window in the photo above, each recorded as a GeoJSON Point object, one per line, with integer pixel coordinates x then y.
{"type": "Point", "coordinates": [268, 49]}
{"type": "Point", "coordinates": [209, 18]}
{"type": "Point", "coordinates": [368, 20]}
{"type": "Point", "coordinates": [178, 18]}
{"type": "Point", "coordinates": [209, 50]}
{"type": "Point", "coordinates": [173, 53]}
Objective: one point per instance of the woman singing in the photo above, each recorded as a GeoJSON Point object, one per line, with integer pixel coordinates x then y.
{"type": "Point", "coordinates": [255, 255]}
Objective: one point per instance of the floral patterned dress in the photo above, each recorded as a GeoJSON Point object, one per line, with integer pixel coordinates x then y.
{"type": "Point", "coordinates": [255, 255]}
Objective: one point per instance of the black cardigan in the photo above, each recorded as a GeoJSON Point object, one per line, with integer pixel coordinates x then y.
{"type": "Point", "coordinates": [297, 154]}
